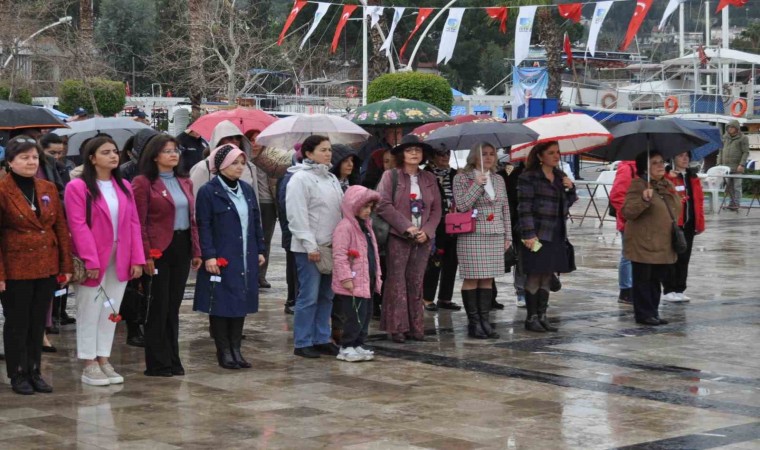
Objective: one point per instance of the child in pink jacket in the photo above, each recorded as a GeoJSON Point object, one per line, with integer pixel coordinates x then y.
{"type": "Point", "coordinates": [356, 270]}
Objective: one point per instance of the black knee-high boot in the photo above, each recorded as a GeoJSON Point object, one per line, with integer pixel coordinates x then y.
{"type": "Point", "coordinates": [470, 301]}
{"type": "Point", "coordinates": [543, 305]}
{"type": "Point", "coordinates": [531, 321]}
{"type": "Point", "coordinates": [236, 337]}
{"type": "Point", "coordinates": [485, 299]}
{"type": "Point", "coordinates": [220, 332]}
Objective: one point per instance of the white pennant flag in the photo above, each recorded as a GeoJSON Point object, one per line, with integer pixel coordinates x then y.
{"type": "Point", "coordinates": [321, 12]}
{"type": "Point", "coordinates": [449, 36]}
{"type": "Point", "coordinates": [398, 12]}
{"type": "Point", "coordinates": [375, 12]}
{"type": "Point", "coordinates": [672, 6]}
{"type": "Point", "coordinates": [600, 12]}
{"type": "Point", "coordinates": [523, 31]}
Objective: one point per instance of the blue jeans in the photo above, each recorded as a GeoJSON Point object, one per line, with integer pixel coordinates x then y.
{"type": "Point", "coordinates": [625, 273]}
{"type": "Point", "coordinates": [311, 322]}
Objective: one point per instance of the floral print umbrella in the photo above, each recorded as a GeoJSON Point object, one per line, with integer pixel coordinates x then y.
{"type": "Point", "coordinates": [397, 111]}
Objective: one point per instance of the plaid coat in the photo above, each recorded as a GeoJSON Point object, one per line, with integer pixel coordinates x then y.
{"type": "Point", "coordinates": [541, 207]}
{"type": "Point", "coordinates": [469, 195]}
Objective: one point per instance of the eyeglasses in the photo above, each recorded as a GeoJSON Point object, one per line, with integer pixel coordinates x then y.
{"type": "Point", "coordinates": [171, 151]}
{"type": "Point", "coordinates": [109, 151]}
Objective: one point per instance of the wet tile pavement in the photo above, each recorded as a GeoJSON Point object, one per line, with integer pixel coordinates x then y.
{"type": "Point", "coordinates": [602, 382]}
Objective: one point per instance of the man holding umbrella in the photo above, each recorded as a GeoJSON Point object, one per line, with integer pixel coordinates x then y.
{"type": "Point", "coordinates": [734, 155]}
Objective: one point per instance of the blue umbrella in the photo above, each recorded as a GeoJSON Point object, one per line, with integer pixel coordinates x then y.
{"type": "Point", "coordinates": [707, 131]}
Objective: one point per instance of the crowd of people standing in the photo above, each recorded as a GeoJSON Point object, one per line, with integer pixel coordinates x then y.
{"type": "Point", "coordinates": [130, 225]}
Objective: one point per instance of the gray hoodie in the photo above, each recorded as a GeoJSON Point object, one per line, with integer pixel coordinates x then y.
{"type": "Point", "coordinates": [312, 202]}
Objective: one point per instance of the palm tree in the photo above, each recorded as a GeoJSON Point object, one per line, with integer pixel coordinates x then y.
{"type": "Point", "coordinates": [551, 39]}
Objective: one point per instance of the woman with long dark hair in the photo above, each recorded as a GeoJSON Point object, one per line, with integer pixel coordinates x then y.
{"type": "Point", "coordinates": [545, 195]}
{"type": "Point", "coordinates": [166, 207]}
{"type": "Point", "coordinates": [106, 232]}
{"type": "Point", "coordinates": [35, 247]}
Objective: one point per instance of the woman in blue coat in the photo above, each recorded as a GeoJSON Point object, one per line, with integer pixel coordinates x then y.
{"type": "Point", "coordinates": [229, 227]}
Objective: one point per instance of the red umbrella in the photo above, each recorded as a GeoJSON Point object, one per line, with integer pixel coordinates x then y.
{"type": "Point", "coordinates": [424, 131]}
{"type": "Point", "coordinates": [244, 118]}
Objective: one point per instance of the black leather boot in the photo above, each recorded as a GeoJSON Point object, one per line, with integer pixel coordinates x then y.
{"type": "Point", "coordinates": [135, 336]}
{"type": "Point", "coordinates": [470, 301]}
{"type": "Point", "coordinates": [485, 300]}
{"type": "Point", "coordinates": [38, 384]}
{"type": "Point", "coordinates": [220, 334]}
{"type": "Point", "coordinates": [543, 305]}
{"type": "Point", "coordinates": [21, 385]}
{"type": "Point", "coordinates": [531, 321]}
{"type": "Point", "coordinates": [236, 337]}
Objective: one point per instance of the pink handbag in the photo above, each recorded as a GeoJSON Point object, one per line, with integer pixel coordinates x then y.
{"type": "Point", "coordinates": [460, 223]}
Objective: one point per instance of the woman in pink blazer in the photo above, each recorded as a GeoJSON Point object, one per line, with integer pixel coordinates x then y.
{"type": "Point", "coordinates": [166, 207]}
{"type": "Point", "coordinates": [105, 230]}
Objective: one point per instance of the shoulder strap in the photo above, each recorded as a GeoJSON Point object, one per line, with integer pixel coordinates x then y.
{"type": "Point", "coordinates": [208, 169]}
{"type": "Point", "coordinates": [394, 179]}
{"type": "Point", "coordinates": [668, 208]}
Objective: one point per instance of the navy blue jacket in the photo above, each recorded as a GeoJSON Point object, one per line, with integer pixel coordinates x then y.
{"type": "Point", "coordinates": [542, 206]}
{"type": "Point", "coordinates": [220, 235]}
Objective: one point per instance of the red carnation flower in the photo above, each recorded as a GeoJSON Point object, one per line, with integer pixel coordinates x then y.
{"type": "Point", "coordinates": [413, 196]}
{"type": "Point", "coordinates": [155, 253]}
{"type": "Point", "coordinates": [115, 318]}
{"type": "Point", "coordinates": [440, 252]}
{"type": "Point", "coordinates": [353, 253]}
{"type": "Point", "coordinates": [60, 279]}
{"type": "Point", "coordinates": [222, 262]}
{"type": "Point", "coordinates": [490, 217]}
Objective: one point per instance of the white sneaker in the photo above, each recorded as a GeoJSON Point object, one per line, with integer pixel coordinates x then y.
{"type": "Point", "coordinates": [671, 297]}
{"type": "Point", "coordinates": [349, 354]}
{"type": "Point", "coordinates": [93, 376]}
{"type": "Point", "coordinates": [682, 297]}
{"type": "Point", "coordinates": [113, 377]}
{"type": "Point", "coordinates": [520, 302]}
{"type": "Point", "coordinates": [368, 354]}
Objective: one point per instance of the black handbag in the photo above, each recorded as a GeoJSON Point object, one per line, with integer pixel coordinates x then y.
{"type": "Point", "coordinates": [678, 239]}
{"type": "Point", "coordinates": [570, 250]}
{"type": "Point", "coordinates": [380, 227]}
{"type": "Point", "coordinates": [510, 257]}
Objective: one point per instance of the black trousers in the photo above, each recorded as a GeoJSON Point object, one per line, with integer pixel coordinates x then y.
{"type": "Point", "coordinates": [25, 306]}
{"type": "Point", "coordinates": [268, 222]}
{"type": "Point", "coordinates": [679, 272]}
{"type": "Point", "coordinates": [446, 271]}
{"type": "Point", "coordinates": [227, 331]}
{"type": "Point", "coordinates": [357, 313]}
{"type": "Point", "coordinates": [162, 323]}
{"type": "Point", "coordinates": [646, 293]}
{"type": "Point", "coordinates": [291, 276]}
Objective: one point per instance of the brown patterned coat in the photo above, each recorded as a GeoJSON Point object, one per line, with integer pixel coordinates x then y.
{"type": "Point", "coordinates": [32, 247]}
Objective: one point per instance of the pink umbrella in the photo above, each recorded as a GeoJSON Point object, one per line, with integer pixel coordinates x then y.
{"type": "Point", "coordinates": [244, 118]}
{"type": "Point", "coordinates": [575, 132]}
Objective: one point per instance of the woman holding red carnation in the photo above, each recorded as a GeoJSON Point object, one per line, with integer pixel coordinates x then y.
{"type": "Point", "coordinates": [166, 206]}
{"type": "Point", "coordinates": [481, 253]}
{"type": "Point", "coordinates": [35, 247]}
{"type": "Point", "coordinates": [413, 210]}
{"type": "Point", "coordinates": [105, 228]}
{"type": "Point", "coordinates": [232, 245]}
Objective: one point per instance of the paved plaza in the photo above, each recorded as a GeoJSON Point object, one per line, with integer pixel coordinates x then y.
{"type": "Point", "coordinates": [602, 382]}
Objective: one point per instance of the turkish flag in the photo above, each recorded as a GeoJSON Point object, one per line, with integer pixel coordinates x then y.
{"type": "Point", "coordinates": [571, 11]}
{"type": "Point", "coordinates": [297, 7]}
{"type": "Point", "coordinates": [499, 13]}
{"type": "Point", "coordinates": [642, 8]}
{"type": "Point", "coordinates": [723, 3]}
{"type": "Point", "coordinates": [568, 51]}
{"type": "Point", "coordinates": [422, 15]}
{"type": "Point", "coordinates": [347, 11]}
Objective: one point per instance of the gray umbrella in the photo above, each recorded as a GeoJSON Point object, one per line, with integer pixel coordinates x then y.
{"type": "Point", "coordinates": [667, 136]}
{"type": "Point", "coordinates": [466, 135]}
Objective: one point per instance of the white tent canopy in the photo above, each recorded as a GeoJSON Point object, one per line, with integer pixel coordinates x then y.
{"type": "Point", "coordinates": [717, 56]}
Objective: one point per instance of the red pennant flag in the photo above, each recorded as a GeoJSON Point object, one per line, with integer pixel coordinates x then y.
{"type": "Point", "coordinates": [297, 7]}
{"type": "Point", "coordinates": [500, 14]}
{"type": "Point", "coordinates": [642, 8]}
{"type": "Point", "coordinates": [737, 3]}
{"type": "Point", "coordinates": [568, 51]}
{"type": "Point", "coordinates": [422, 15]}
{"type": "Point", "coordinates": [571, 11]}
{"type": "Point", "coordinates": [347, 11]}
{"type": "Point", "coordinates": [703, 58]}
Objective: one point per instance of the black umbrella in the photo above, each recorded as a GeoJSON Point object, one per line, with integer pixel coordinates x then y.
{"type": "Point", "coordinates": [667, 136]}
{"type": "Point", "coordinates": [15, 116]}
{"type": "Point", "coordinates": [466, 135]}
